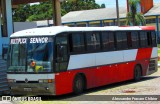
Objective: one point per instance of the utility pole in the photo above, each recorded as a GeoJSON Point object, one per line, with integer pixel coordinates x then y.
{"type": "Point", "coordinates": [117, 10]}
{"type": "Point", "coordinates": [56, 12]}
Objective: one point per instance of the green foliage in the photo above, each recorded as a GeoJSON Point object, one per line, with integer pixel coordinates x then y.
{"type": "Point", "coordinates": [44, 11]}
{"type": "Point", "coordinates": [103, 6]}
{"type": "Point", "coordinates": [159, 47]}
{"type": "Point", "coordinates": [21, 13]}
{"type": "Point", "coordinates": [76, 5]}
{"type": "Point", "coordinates": [41, 12]}
{"type": "Point", "coordinates": [134, 18]}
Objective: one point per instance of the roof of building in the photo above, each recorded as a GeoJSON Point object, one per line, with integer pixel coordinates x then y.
{"type": "Point", "coordinates": [103, 14]}
{"type": "Point", "coordinates": [49, 31]}
{"type": "Point", "coordinates": [154, 11]}
{"type": "Point", "coordinates": [94, 14]}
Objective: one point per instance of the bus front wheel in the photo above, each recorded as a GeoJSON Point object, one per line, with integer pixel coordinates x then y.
{"type": "Point", "coordinates": [137, 73]}
{"type": "Point", "coordinates": [78, 84]}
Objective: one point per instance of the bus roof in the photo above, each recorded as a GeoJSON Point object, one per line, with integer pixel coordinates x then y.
{"type": "Point", "coordinates": [49, 31]}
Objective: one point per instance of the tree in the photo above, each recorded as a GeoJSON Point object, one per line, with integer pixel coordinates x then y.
{"type": "Point", "coordinates": [103, 6]}
{"type": "Point", "coordinates": [21, 14]}
{"type": "Point", "coordinates": [76, 5]}
{"type": "Point", "coordinates": [44, 10]}
{"type": "Point", "coordinates": [41, 11]}
{"type": "Point", "coordinates": [134, 18]}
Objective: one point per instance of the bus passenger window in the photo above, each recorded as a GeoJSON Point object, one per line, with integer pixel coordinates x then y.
{"type": "Point", "coordinates": [108, 41]}
{"type": "Point", "coordinates": [149, 39]}
{"type": "Point", "coordinates": [143, 39]}
{"type": "Point", "coordinates": [135, 39]}
{"type": "Point", "coordinates": [130, 45]}
{"type": "Point", "coordinates": [121, 40]}
{"type": "Point", "coordinates": [93, 41]}
{"type": "Point", "coordinates": [77, 42]}
{"type": "Point", "coordinates": [153, 36]}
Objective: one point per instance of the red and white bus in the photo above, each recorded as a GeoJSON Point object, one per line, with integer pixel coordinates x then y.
{"type": "Point", "coordinates": [60, 60]}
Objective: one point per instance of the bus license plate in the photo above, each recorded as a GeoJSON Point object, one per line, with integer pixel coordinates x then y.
{"type": "Point", "coordinates": [27, 89]}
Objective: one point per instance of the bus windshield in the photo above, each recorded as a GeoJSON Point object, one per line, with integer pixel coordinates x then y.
{"type": "Point", "coordinates": [30, 55]}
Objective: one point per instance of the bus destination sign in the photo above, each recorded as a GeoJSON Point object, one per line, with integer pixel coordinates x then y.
{"type": "Point", "coordinates": [31, 40]}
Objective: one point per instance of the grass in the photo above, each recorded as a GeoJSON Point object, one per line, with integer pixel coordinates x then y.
{"type": "Point", "coordinates": [158, 45]}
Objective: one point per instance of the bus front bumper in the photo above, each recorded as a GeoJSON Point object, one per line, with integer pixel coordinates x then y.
{"type": "Point", "coordinates": [32, 88]}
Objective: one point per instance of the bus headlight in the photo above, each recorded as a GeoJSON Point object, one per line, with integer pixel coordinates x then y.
{"type": "Point", "coordinates": [11, 80]}
{"type": "Point", "coordinates": [46, 80]}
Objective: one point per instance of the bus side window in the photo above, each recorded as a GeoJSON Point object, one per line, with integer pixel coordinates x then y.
{"type": "Point", "coordinates": [143, 39]}
{"type": "Point", "coordinates": [121, 40]}
{"type": "Point", "coordinates": [93, 41]}
{"type": "Point", "coordinates": [77, 42]}
{"type": "Point", "coordinates": [129, 38]}
{"type": "Point", "coordinates": [153, 36]}
{"type": "Point", "coordinates": [134, 39]}
{"type": "Point", "coordinates": [108, 41]}
{"type": "Point", "coordinates": [149, 39]}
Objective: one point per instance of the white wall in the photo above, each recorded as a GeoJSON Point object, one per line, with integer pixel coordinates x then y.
{"type": "Point", "coordinates": [18, 26]}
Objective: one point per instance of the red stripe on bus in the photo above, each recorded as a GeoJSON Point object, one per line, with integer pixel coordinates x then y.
{"type": "Point", "coordinates": [143, 58]}
{"type": "Point", "coordinates": [95, 77]}
{"type": "Point", "coordinates": [147, 28]}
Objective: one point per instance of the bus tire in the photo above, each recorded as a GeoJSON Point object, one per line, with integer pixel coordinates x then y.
{"type": "Point", "coordinates": [137, 73]}
{"type": "Point", "coordinates": [78, 84]}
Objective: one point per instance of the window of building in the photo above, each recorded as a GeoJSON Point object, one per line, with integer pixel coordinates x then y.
{"type": "Point", "coordinates": [93, 41]}
{"type": "Point", "coordinates": [108, 41]}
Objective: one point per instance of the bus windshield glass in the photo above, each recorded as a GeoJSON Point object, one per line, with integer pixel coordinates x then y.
{"type": "Point", "coordinates": [30, 55]}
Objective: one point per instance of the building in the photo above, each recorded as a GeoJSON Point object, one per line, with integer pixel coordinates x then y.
{"type": "Point", "coordinates": [108, 17]}
{"type": "Point", "coordinates": [95, 17]}
{"type": "Point", "coordinates": [144, 6]}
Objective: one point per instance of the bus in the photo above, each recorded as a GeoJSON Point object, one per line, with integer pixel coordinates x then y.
{"type": "Point", "coordinates": [59, 60]}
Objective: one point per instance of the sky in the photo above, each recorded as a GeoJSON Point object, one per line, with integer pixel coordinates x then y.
{"type": "Point", "coordinates": [112, 3]}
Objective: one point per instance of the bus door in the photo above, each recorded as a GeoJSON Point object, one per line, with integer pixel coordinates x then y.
{"type": "Point", "coordinates": [61, 61]}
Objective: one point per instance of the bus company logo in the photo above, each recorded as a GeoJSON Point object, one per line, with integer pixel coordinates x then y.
{"type": "Point", "coordinates": [26, 80]}
{"type": "Point", "coordinates": [6, 98]}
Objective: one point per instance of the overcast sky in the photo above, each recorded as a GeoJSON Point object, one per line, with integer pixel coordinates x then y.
{"type": "Point", "coordinates": [112, 3]}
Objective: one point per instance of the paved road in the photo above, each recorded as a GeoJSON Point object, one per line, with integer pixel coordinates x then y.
{"type": "Point", "coordinates": [149, 85]}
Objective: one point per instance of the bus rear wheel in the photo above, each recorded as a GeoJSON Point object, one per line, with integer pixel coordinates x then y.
{"type": "Point", "coordinates": [137, 73]}
{"type": "Point", "coordinates": [78, 84]}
